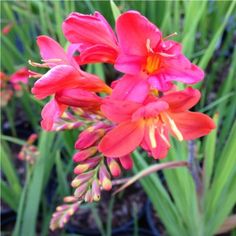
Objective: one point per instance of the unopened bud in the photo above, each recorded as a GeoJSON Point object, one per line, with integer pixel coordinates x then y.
{"type": "Point", "coordinates": [84, 154]}
{"type": "Point", "coordinates": [88, 196]}
{"type": "Point", "coordinates": [80, 191]}
{"type": "Point", "coordinates": [88, 137]}
{"type": "Point", "coordinates": [126, 162]}
{"type": "Point", "coordinates": [96, 192]}
{"type": "Point", "coordinates": [114, 167]}
{"type": "Point", "coordinates": [81, 179]}
{"type": "Point", "coordinates": [69, 199]}
{"type": "Point", "coordinates": [104, 178]}
{"type": "Point", "coordinates": [84, 166]}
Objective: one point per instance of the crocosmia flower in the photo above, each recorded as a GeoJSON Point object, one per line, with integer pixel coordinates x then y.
{"type": "Point", "coordinates": [143, 51]}
{"type": "Point", "coordinates": [142, 108]}
{"type": "Point", "coordinates": [93, 36]}
{"type": "Point", "coordinates": [20, 76]}
{"type": "Point", "coordinates": [65, 80]}
{"type": "Point", "coordinates": [150, 123]}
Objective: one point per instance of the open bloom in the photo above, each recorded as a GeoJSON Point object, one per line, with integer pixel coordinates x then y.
{"type": "Point", "coordinates": [70, 85]}
{"type": "Point", "coordinates": [93, 36]}
{"type": "Point", "coordinates": [143, 51]}
{"type": "Point", "coordinates": [149, 124]}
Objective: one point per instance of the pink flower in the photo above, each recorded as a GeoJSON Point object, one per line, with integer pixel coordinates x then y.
{"type": "Point", "coordinates": [70, 85]}
{"type": "Point", "coordinates": [144, 52]}
{"type": "Point", "coordinates": [64, 73]}
{"type": "Point", "coordinates": [149, 124]}
{"type": "Point", "coordinates": [93, 36]}
{"type": "Point", "coordinates": [20, 76]}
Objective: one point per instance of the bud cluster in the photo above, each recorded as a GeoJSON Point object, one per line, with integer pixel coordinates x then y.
{"type": "Point", "coordinates": [64, 212]}
{"type": "Point", "coordinates": [29, 152]}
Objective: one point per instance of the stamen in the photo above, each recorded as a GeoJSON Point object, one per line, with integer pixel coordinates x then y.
{"type": "Point", "coordinates": [152, 136]}
{"type": "Point", "coordinates": [169, 36]}
{"type": "Point", "coordinates": [35, 64]}
{"type": "Point", "coordinates": [164, 137]}
{"type": "Point", "coordinates": [52, 60]}
{"type": "Point", "coordinates": [148, 45]}
{"type": "Point", "coordinates": [174, 128]}
{"type": "Point", "coordinates": [33, 74]}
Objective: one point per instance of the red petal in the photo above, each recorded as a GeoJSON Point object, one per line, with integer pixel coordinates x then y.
{"type": "Point", "coordinates": [88, 30]}
{"type": "Point", "coordinates": [126, 162]}
{"type": "Point", "coordinates": [130, 64]}
{"type": "Point", "coordinates": [182, 100]}
{"type": "Point", "coordinates": [64, 76]}
{"type": "Point", "coordinates": [133, 30]}
{"type": "Point", "coordinates": [97, 53]}
{"type": "Point", "coordinates": [122, 140]}
{"type": "Point", "coordinates": [51, 111]}
{"type": "Point", "coordinates": [119, 111]}
{"type": "Point", "coordinates": [50, 49]}
{"type": "Point", "coordinates": [181, 69]}
{"type": "Point", "coordinates": [132, 88]}
{"type": "Point", "coordinates": [193, 125]}
{"type": "Point", "coordinates": [79, 98]}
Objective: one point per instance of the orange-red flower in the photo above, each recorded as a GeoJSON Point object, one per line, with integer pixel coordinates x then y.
{"type": "Point", "coordinates": [148, 124]}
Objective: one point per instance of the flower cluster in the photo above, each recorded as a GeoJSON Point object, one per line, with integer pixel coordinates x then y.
{"type": "Point", "coordinates": [29, 152]}
{"type": "Point", "coordinates": [12, 84]}
{"type": "Point", "coordinates": [140, 109]}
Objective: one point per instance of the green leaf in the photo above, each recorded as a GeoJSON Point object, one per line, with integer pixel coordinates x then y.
{"type": "Point", "coordinates": [209, 153]}
{"type": "Point", "coordinates": [115, 10]}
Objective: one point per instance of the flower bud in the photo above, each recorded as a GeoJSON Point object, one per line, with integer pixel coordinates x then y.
{"type": "Point", "coordinates": [84, 154]}
{"type": "Point", "coordinates": [88, 196]}
{"type": "Point", "coordinates": [114, 167]}
{"type": "Point", "coordinates": [84, 166]}
{"type": "Point", "coordinates": [126, 162]}
{"type": "Point", "coordinates": [104, 178]}
{"type": "Point", "coordinates": [96, 192]}
{"type": "Point", "coordinates": [80, 191]}
{"type": "Point", "coordinates": [89, 137]}
{"type": "Point", "coordinates": [69, 199]}
{"type": "Point", "coordinates": [32, 138]}
{"type": "Point", "coordinates": [78, 180]}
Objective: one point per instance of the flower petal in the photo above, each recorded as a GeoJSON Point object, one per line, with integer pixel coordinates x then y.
{"type": "Point", "coordinates": [20, 76]}
{"type": "Point", "coordinates": [88, 30]}
{"type": "Point", "coordinates": [65, 76]}
{"type": "Point", "coordinates": [50, 49]}
{"type": "Point", "coordinates": [181, 69]}
{"type": "Point", "coordinates": [133, 31]}
{"type": "Point", "coordinates": [122, 140]}
{"type": "Point", "coordinates": [51, 111]}
{"type": "Point", "coordinates": [193, 125]}
{"type": "Point", "coordinates": [159, 82]}
{"type": "Point", "coordinates": [126, 162]}
{"type": "Point", "coordinates": [79, 98]}
{"type": "Point", "coordinates": [97, 53]}
{"type": "Point", "coordinates": [119, 111]}
{"type": "Point", "coordinates": [132, 88]}
{"type": "Point", "coordinates": [130, 64]}
{"type": "Point", "coordinates": [182, 100]}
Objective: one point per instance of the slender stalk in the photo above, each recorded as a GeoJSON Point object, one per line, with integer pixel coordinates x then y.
{"type": "Point", "coordinates": [194, 168]}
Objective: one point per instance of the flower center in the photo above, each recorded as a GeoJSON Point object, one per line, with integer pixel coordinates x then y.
{"type": "Point", "coordinates": [152, 64]}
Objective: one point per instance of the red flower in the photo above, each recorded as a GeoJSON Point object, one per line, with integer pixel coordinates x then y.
{"type": "Point", "coordinates": [20, 76]}
{"type": "Point", "coordinates": [70, 85]}
{"type": "Point", "coordinates": [144, 52]}
{"type": "Point", "coordinates": [93, 36]}
{"type": "Point", "coordinates": [149, 124]}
